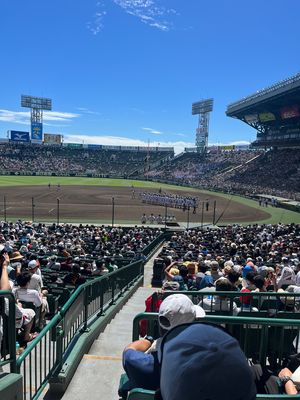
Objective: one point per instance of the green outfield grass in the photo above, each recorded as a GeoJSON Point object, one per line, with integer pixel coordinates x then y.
{"type": "Point", "coordinates": [55, 180]}
{"type": "Point", "coordinates": [276, 214]}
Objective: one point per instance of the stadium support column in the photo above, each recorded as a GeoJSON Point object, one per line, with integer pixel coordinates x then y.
{"type": "Point", "coordinates": [113, 212]}
{"type": "Point", "coordinates": [214, 214]}
{"type": "Point", "coordinates": [4, 208]}
{"type": "Point", "coordinates": [32, 209]}
{"type": "Point", "coordinates": [202, 214]}
{"type": "Point", "coordinates": [166, 215]}
{"type": "Point", "coordinates": [57, 211]}
{"type": "Point", "coordinates": [36, 105]}
{"type": "Point", "coordinates": [188, 218]}
{"type": "Point", "coordinates": [202, 109]}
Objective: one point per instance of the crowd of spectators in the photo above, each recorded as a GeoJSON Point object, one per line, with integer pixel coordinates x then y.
{"type": "Point", "coordinates": [233, 258]}
{"type": "Point", "coordinates": [189, 166]}
{"type": "Point", "coordinates": [275, 172]}
{"type": "Point", "coordinates": [40, 159]}
{"type": "Point", "coordinates": [67, 255]}
{"type": "Point", "coordinates": [241, 259]}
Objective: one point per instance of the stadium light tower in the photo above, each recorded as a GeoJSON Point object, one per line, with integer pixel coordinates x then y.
{"type": "Point", "coordinates": [202, 108]}
{"type": "Point", "coordinates": [36, 105]}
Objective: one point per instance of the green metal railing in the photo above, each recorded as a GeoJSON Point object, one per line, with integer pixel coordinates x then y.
{"type": "Point", "coordinates": [268, 341]}
{"type": "Point", "coordinates": [45, 355]}
{"type": "Point", "coordinates": [157, 241]}
{"type": "Point", "coordinates": [272, 303]}
{"type": "Point", "coordinates": [8, 347]}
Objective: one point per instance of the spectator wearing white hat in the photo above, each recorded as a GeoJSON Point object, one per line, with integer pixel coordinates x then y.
{"type": "Point", "coordinates": [140, 357]}
{"type": "Point", "coordinates": [36, 281]}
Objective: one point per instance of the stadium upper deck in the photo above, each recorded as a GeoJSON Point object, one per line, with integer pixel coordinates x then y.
{"type": "Point", "coordinates": [274, 112]}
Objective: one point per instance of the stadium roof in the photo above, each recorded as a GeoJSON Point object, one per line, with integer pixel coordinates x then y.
{"type": "Point", "coordinates": [274, 112]}
{"type": "Point", "coordinates": [288, 87]}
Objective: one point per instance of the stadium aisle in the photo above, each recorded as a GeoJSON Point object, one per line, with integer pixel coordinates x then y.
{"type": "Point", "coordinates": [98, 374]}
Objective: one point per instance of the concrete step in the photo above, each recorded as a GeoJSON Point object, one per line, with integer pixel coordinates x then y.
{"type": "Point", "coordinates": [106, 348]}
{"type": "Point", "coordinates": [95, 378]}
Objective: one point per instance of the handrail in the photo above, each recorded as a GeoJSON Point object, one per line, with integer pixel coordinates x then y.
{"type": "Point", "coordinates": [9, 331]}
{"type": "Point", "coordinates": [262, 339]}
{"type": "Point", "coordinates": [45, 355]}
{"type": "Point", "coordinates": [224, 319]}
{"type": "Point", "coordinates": [231, 294]}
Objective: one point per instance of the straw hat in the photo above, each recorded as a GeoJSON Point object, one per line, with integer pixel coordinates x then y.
{"type": "Point", "coordinates": [16, 255]}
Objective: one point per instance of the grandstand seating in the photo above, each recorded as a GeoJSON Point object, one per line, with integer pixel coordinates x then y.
{"type": "Point", "coordinates": [48, 160]}
{"type": "Point", "coordinates": [78, 308]}
{"type": "Point", "coordinates": [275, 172]}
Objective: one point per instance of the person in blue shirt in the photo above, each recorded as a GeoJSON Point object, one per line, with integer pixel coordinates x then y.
{"type": "Point", "coordinates": [140, 360]}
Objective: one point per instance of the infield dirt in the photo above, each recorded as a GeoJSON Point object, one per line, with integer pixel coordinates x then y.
{"type": "Point", "coordinates": [94, 204]}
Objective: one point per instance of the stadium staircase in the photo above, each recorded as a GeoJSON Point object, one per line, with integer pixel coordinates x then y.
{"type": "Point", "coordinates": [237, 167]}
{"type": "Point", "coordinates": [98, 374]}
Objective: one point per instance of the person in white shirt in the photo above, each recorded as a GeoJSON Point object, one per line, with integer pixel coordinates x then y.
{"type": "Point", "coordinates": [36, 280]}
{"type": "Point", "coordinates": [22, 293]}
{"type": "Point", "coordinates": [220, 303]}
{"type": "Point", "coordinates": [287, 277]}
{"type": "Point", "coordinates": [297, 270]}
{"type": "Point", "coordinates": [36, 284]}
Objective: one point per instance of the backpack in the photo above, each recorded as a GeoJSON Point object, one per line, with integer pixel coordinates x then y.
{"type": "Point", "coordinates": [152, 303]}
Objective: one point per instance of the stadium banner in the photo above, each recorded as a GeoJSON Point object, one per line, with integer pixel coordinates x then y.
{"type": "Point", "coordinates": [52, 138]}
{"type": "Point", "coordinates": [129, 148]}
{"type": "Point", "coordinates": [37, 131]}
{"type": "Point", "coordinates": [267, 116]}
{"type": "Point", "coordinates": [251, 118]}
{"type": "Point", "coordinates": [242, 147]}
{"type": "Point", "coordinates": [213, 149]}
{"type": "Point", "coordinates": [226, 148]}
{"type": "Point", "coordinates": [19, 136]}
{"type": "Point", "coordinates": [142, 148]}
{"type": "Point", "coordinates": [166, 149]}
{"type": "Point", "coordinates": [289, 112]}
{"type": "Point", "coordinates": [73, 145]}
{"type": "Point", "coordinates": [111, 147]}
{"type": "Point", "coordinates": [94, 146]}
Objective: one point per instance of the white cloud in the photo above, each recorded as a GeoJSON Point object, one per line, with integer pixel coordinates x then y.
{"type": "Point", "coordinates": [58, 116]}
{"type": "Point", "coordinates": [153, 131]}
{"type": "Point", "coordinates": [147, 11]}
{"type": "Point", "coordinates": [156, 132]}
{"type": "Point", "coordinates": [123, 141]}
{"type": "Point", "coordinates": [96, 25]}
{"type": "Point", "coordinates": [23, 117]}
{"type": "Point", "coordinates": [85, 110]}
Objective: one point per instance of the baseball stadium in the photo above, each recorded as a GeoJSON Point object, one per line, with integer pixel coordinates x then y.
{"type": "Point", "coordinates": [113, 257]}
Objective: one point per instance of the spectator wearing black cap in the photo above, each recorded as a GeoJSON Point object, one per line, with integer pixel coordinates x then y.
{"type": "Point", "coordinates": [199, 361]}
{"type": "Point", "coordinates": [74, 278]}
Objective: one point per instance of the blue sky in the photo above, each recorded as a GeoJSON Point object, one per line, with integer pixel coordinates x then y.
{"type": "Point", "coordinates": [127, 71]}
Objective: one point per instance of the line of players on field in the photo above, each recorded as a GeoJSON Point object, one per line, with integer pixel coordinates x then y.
{"type": "Point", "coordinates": [170, 200]}
{"type": "Point", "coordinates": [157, 219]}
